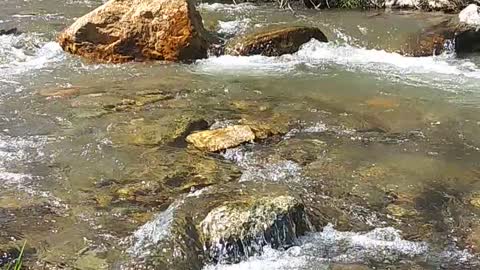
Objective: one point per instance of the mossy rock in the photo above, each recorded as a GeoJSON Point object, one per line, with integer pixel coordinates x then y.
{"type": "Point", "coordinates": [171, 128]}
{"type": "Point", "coordinates": [275, 42]}
{"type": "Point", "coordinates": [223, 223]}
{"type": "Point", "coordinates": [432, 41]}
{"type": "Point", "coordinates": [164, 175]}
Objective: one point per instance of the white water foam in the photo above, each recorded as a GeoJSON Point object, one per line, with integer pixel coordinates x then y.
{"type": "Point", "coordinates": [443, 71]}
{"type": "Point", "coordinates": [13, 152]}
{"type": "Point", "coordinates": [332, 246]}
{"type": "Point", "coordinates": [255, 65]}
{"type": "Point", "coordinates": [26, 52]}
{"type": "Point", "coordinates": [264, 169]}
{"type": "Point", "coordinates": [315, 52]}
{"type": "Point", "coordinates": [153, 232]}
{"type": "Point", "coordinates": [233, 27]}
{"type": "Point", "coordinates": [230, 8]}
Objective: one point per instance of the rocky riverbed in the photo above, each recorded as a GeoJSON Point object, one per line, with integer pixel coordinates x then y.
{"type": "Point", "coordinates": [293, 140]}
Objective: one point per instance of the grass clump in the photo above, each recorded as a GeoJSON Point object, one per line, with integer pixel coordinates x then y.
{"type": "Point", "coordinates": [17, 263]}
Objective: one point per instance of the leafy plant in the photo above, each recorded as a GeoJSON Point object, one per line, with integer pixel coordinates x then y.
{"type": "Point", "coordinates": [17, 263]}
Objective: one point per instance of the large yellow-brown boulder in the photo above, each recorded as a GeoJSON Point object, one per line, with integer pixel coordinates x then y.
{"type": "Point", "coordinates": [138, 30]}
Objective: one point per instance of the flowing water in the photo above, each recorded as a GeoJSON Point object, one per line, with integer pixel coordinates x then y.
{"type": "Point", "coordinates": [393, 140]}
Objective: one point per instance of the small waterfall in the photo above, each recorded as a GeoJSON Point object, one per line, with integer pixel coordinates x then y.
{"type": "Point", "coordinates": [283, 233]}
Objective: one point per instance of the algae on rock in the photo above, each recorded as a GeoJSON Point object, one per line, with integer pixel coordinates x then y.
{"type": "Point", "coordinates": [224, 223]}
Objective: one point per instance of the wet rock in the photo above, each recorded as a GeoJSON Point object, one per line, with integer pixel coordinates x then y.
{"type": "Point", "coordinates": [337, 266]}
{"type": "Point", "coordinates": [131, 191]}
{"type": "Point", "coordinates": [274, 43]}
{"type": "Point", "coordinates": [171, 128]}
{"type": "Point", "coordinates": [470, 15]}
{"type": "Point", "coordinates": [382, 103]}
{"type": "Point", "coordinates": [371, 173]}
{"type": "Point", "coordinates": [226, 135]}
{"type": "Point", "coordinates": [475, 200]}
{"type": "Point", "coordinates": [91, 261]}
{"type": "Point", "coordinates": [264, 127]}
{"type": "Point", "coordinates": [137, 30]}
{"type": "Point", "coordinates": [97, 104]}
{"type": "Point", "coordinates": [233, 226]}
{"type": "Point", "coordinates": [223, 138]}
{"type": "Point", "coordinates": [246, 105]}
{"type": "Point", "coordinates": [301, 151]}
{"type": "Point", "coordinates": [467, 34]}
{"type": "Point", "coordinates": [59, 92]}
{"type": "Point", "coordinates": [162, 174]}
{"type": "Point", "coordinates": [399, 211]}
{"type": "Point", "coordinates": [225, 223]}
{"type": "Point", "coordinates": [429, 42]}
{"type": "Point", "coordinates": [460, 34]}
{"type": "Point", "coordinates": [12, 31]}
{"type": "Point", "coordinates": [146, 97]}
{"type": "Point", "coordinates": [103, 200]}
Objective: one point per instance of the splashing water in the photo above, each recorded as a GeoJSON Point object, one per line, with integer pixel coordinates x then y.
{"type": "Point", "coordinates": [26, 52]}
{"type": "Point", "coordinates": [230, 8]}
{"type": "Point", "coordinates": [317, 56]}
{"type": "Point", "coordinates": [318, 250]}
{"type": "Point", "coordinates": [153, 232]}
{"type": "Point", "coordinates": [233, 27]}
{"type": "Point", "coordinates": [256, 168]}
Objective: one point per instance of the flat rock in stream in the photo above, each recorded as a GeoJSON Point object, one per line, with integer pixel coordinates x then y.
{"type": "Point", "coordinates": [221, 139]}
{"type": "Point", "coordinates": [136, 30]}
{"type": "Point", "coordinates": [59, 92]}
{"type": "Point", "coordinates": [225, 223]}
{"type": "Point", "coordinates": [274, 43]}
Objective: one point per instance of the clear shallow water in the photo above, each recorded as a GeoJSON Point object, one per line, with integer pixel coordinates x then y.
{"type": "Point", "coordinates": [63, 158]}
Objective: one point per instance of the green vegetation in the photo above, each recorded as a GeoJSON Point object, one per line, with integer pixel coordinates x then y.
{"type": "Point", "coordinates": [17, 263]}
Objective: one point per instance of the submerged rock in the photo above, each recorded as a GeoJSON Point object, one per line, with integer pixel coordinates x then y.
{"type": "Point", "coordinates": [171, 128]}
{"type": "Point", "coordinates": [136, 30]}
{"type": "Point", "coordinates": [267, 127]}
{"type": "Point", "coordinates": [59, 92]}
{"type": "Point", "coordinates": [274, 43]}
{"type": "Point", "coordinates": [225, 223]}
{"type": "Point", "coordinates": [221, 139]}
{"type": "Point", "coordinates": [431, 41]}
